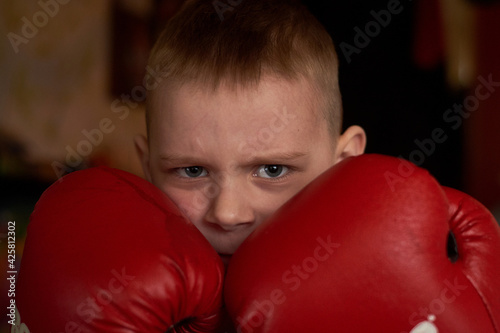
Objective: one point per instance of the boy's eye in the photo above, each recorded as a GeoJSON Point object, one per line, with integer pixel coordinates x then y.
{"type": "Point", "coordinates": [192, 172]}
{"type": "Point", "coordinates": [271, 171]}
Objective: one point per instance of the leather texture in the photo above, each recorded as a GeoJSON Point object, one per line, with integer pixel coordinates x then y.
{"type": "Point", "coordinates": [374, 244]}
{"type": "Point", "coordinates": [107, 251]}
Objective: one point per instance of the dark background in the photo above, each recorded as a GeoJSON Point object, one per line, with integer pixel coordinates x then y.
{"type": "Point", "coordinates": [385, 90]}
{"type": "Point", "coordinates": [398, 100]}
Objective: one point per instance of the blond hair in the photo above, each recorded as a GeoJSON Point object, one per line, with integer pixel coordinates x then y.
{"type": "Point", "coordinates": [238, 46]}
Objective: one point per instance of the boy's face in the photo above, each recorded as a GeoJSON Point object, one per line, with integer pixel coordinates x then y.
{"type": "Point", "coordinates": [229, 159]}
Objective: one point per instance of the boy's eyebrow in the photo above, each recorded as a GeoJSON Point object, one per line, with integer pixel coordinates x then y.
{"type": "Point", "coordinates": [274, 157]}
{"type": "Point", "coordinates": [180, 159]}
{"type": "Point", "coordinates": [177, 158]}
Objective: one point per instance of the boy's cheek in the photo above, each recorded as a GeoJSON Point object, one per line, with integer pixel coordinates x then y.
{"type": "Point", "coordinates": [192, 200]}
{"type": "Point", "coordinates": [192, 203]}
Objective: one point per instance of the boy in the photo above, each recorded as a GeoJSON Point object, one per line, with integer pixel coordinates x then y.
{"type": "Point", "coordinates": [248, 113]}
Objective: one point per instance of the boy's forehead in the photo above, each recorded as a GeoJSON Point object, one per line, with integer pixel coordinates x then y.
{"type": "Point", "coordinates": [192, 101]}
{"type": "Point", "coordinates": [276, 121]}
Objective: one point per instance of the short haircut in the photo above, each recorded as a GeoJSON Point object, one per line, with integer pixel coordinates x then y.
{"type": "Point", "coordinates": [211, 45]}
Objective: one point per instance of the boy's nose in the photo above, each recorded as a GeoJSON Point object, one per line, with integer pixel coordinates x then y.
{"type": "Point", "coordinates": [230, 209]}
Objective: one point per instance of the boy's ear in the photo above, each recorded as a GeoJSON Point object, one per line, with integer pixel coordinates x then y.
{"type": "Point", "coordinates": [351, 143]}
{"type": "Point", "coordinates": [142, 148]}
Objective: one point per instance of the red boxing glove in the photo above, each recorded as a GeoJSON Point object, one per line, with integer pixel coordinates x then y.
{"type": "Point", "coordinates": [108, 252]}
{"type": "Point", "coordinates": [477, 238]}
{"type": "Point", "coordinates": [373, 245]}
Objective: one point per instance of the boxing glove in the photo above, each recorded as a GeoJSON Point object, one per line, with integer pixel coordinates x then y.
{"type": "Point", "coordinates": [106, 251]}
{"type": "Point", "coordinates": [374, 244]}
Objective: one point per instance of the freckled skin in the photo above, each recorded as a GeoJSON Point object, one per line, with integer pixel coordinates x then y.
{"type": "Point", "coordinates": [232, 136]}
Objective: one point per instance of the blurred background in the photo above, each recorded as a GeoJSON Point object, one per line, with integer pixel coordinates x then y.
{"type": "Point", "coordinates": [71, 90]}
